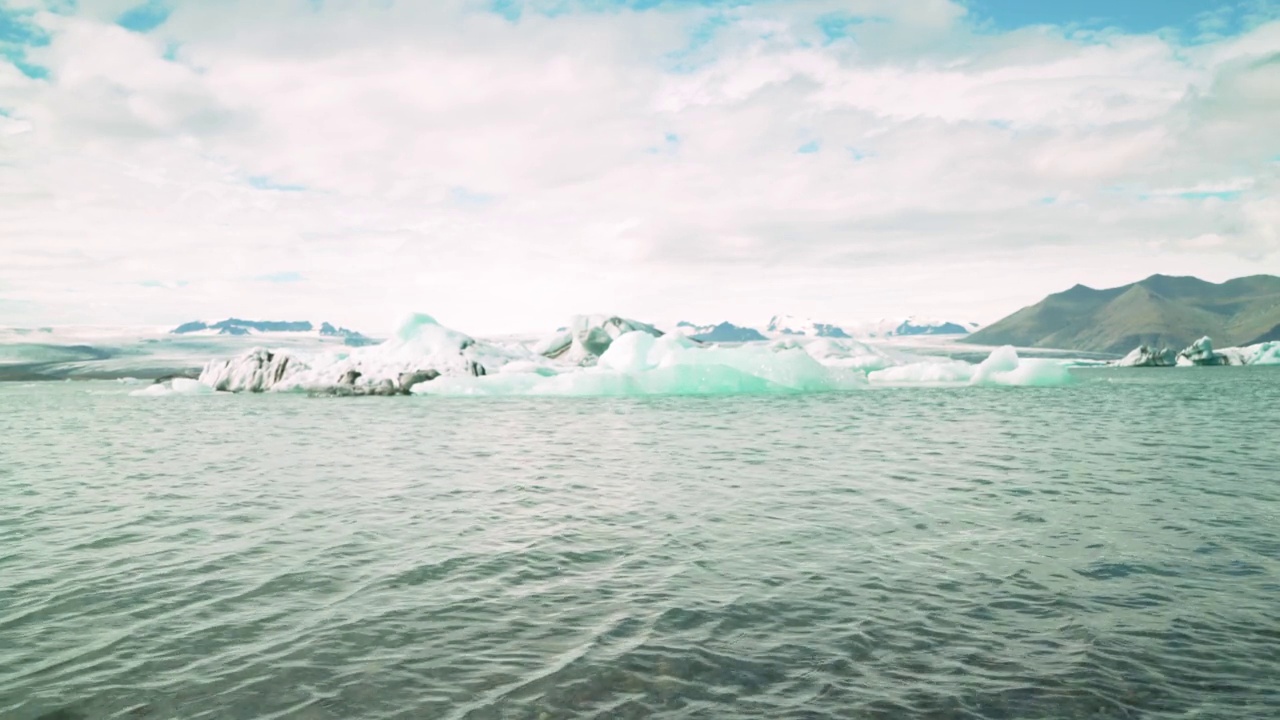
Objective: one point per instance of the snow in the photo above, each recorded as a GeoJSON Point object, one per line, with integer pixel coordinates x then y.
{"type": "Point", "coordinates": [792, 325]}
{"type": "Point", "coordinates": [910, 326]}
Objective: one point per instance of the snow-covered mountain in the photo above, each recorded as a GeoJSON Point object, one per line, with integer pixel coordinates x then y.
{"type": "Point", "coordinates": [903, 327]}
{"type": "Point", "coordinates": [792, 325]}
{"type": "Point", "coordinates": [236, 326]}
{"type": "Point", "coordinates": [725, 332]}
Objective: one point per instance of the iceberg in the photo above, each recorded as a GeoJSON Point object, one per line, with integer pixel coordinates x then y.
{"type": "Point", "coordinates": [1144, 356]}
{"type": "Point", "coordinates": [1201, 353]}
{"type": "Point", "coordinates": [588, 337]}
{"type": "Point", "coordinates": [639, 363]}
{"type": "Point", "coordinates": [421, 350]}
{"type": "Point", "coordinates": [1267, 353]}
{"type": "Point", "coordinates": [846, 354]}
{"type": "Point", "coordinates": [600, 356]}
{"type": "Point", "coordinates": [1002, 367]}
{"type": "Point", "coordinates": [176, 386]}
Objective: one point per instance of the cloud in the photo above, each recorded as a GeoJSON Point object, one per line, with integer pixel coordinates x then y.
{"type": "Point", "coordinates": [504, 165]}
{"type": "Point", "coordinates": [286, 276]}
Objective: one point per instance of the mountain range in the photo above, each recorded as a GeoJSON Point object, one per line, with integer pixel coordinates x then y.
{"type": "Point", "coordinates": [1161, 311]}
{"type": "Point", "coordinates": [236, 326]}
{"type": "Point", "coordinates": [791, 325]}
{"type": "Point", "coordinates": [725, 332]}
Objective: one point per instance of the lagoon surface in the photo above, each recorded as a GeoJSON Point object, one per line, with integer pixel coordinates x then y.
{"type": "Point", "coordinates": [1109, 549]}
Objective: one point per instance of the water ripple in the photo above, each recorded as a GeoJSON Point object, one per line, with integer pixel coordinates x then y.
{"type": "Point", "coordinates": [945, 553]}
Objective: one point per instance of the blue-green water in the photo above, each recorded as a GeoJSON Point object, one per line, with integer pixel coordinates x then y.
{"type": "Point", "coordinates": [1105, 550]}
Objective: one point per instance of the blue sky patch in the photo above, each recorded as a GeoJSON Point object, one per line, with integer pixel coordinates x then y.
{"type": "Point", "coordinates": [468, 197]}
{"type": "Point", "coordinates": [509, 9]}
{"type": "Point", "coordinates": [145, 18]}
{"type": "Point", "coordinates": [262, 182]}
{"type": "Point", "coordinates": [17, 33]}
{"type": "Point", "coordinates": [1191, 17]}
{"type": "Point", "coordinates": [809, 148]}
{"type": "Point", "coordinates": [1227, 195]}
{"type": "Point", "coordinates": [287, 276]}
{"type": "Point", "coordinates": [18, 28]}
{"type": "Point", "coordinates": [839, 26]}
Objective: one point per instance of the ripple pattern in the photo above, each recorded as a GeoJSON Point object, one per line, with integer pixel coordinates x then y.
{"type": "Point", "coordinates": [1107, 550]}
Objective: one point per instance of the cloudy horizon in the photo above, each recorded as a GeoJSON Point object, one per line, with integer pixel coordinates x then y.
{"type": "Point", "coordinates": [502, 165]}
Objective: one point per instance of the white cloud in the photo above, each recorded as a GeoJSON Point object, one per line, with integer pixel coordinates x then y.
{"type": "Point", "coordinates": [502, 175]}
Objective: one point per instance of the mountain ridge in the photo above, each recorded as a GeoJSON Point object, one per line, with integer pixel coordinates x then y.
{"type": "Point", "coordinates": [1157, 311]}
{"type": "Point", "coordinates": [237, 326]}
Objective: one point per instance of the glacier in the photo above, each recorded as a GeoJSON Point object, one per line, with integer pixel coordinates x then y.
{"type": "Point", "coordinates": [598, 355]}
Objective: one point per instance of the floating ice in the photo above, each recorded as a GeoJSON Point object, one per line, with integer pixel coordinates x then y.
{"type": "Point", "coordinates": [1002, 367]}
{"type": "Point", "coordinates": [931, 372]}
{"type": "Point", "coordinates": [421, 350]}
{"type": "Point", "coordinates": [847, 354]}
{"type": "Point", "coordinates": [1143, 356]}
{"type": "Point", "coordinates": [1267, 353]}
{"type": "Point", "coordinates": [637, 363]}
{"type": "Point", "coordinates": [1201, 353]}
{"type": "Point", "coordinates": [601, 355]}
{"type": "Point", "coordinates": [588, 337]}
{"type": "Point", "coordinates": [176, 386]}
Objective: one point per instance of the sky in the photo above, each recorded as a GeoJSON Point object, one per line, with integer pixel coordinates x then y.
{"type": "Point", "coordinates": [504, 164]}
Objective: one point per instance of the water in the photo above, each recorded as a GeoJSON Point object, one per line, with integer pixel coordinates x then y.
{"type": "Point", "coordinates": [1106, 550]}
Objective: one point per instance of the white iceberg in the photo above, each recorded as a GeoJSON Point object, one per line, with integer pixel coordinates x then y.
{"type": "Point", "coordinates": [1144, 356]}
{"type": "Point", "coordinates": [598, 355]}
{"type": "Point", "coordinates": [588, 337]}
{"type": "Point", "coordinates": [847, 354]}
{"type": "Point", "coordinates": [176, 386]}
{"type": "Point", "coordinates": [421, 350]}
{"type": "Point", "coordinates": [1002, 367]}
{"type": "Point", "coordinates": [1267, 353]}
{"type": "Point", "coordinates": [637, 363]}
{"type": "Point", "coordinates": [1201, 353]}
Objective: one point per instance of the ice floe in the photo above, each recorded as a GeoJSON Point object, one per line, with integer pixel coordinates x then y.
{"type": "Point", "coordinates": [604, 355]}
{"type": "Point", "coordinates": [1144, 356]}
{"type": "Point", "coordinates": [1201, 353]}
{"type": "Point", "coordinates": [176, 386]}
{"type": "Point", "coordinates": [1002, 367]}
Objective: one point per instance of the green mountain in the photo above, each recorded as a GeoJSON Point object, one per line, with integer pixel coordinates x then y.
{"type": "Point", "coordinates": [1161, 311]}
